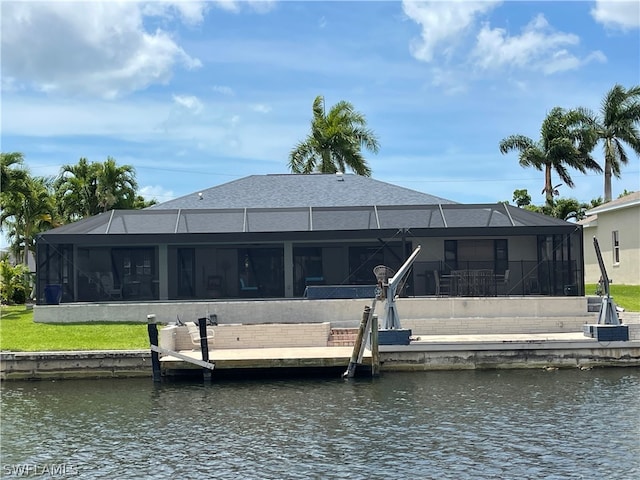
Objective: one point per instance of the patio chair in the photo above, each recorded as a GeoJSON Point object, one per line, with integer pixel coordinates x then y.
{"type": "Point", "coordinates": [108, 286]}
{"type": "Point", "coordinates": [246, 288]}
{"type": "Point", "coordinates": [194, 333]}
{"type": "Point", "coordinates": [503, 285]}
{"type": "Point", "coordinates": [442, 284]}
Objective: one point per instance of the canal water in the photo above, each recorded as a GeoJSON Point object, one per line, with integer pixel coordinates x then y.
{"type": "Point", "coordinates": [519, 424]}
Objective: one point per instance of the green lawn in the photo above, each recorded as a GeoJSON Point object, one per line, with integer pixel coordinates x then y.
{"type": "Point", "coordinates": [626, 296]}
{"type": "Point", "coordinates": [19, 333]}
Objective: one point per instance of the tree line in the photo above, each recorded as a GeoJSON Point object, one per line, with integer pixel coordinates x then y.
{"type": "Point", "coordinates": [335, 143]}
{"type": "Point", "coordinates": [33, 204]}
{"type": "Point", "coordinates": [567, 141]}
{"type": "Point", "coordinates": [568, 138]}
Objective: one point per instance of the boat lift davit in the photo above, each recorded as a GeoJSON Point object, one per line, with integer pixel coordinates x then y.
{"type": "Point", "coordinates": [609, 326]}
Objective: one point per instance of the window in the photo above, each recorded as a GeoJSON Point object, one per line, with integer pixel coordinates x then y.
{"type": "Point", "coordinates": [616, 247]}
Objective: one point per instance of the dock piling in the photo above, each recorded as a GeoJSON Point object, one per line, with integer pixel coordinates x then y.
{"type": "Point", "coordinates": [152, 329]}
{"type": "Point", "coordinates": [204, 347]}
{"type": "Point", "coordinates": [358, 347]}
{"type": "Point", "coordinates": [375, 351]}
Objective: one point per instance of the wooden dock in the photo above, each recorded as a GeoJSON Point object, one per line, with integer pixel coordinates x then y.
{"type": "Point", "coordinates": [264, 358]}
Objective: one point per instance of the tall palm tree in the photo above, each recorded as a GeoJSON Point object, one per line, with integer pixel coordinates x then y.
{"type": "Point", "coordinates": [335, 141]}
{"type": "Point", "coordinates": [617, 124]}
{"type": "Point", "coordinates": [116, 186]}
{"type": "Point", "coordinates": [564, 143]}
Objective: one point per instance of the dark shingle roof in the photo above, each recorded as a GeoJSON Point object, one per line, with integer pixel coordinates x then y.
{"type": "Point", "coordinates": [297, 190]}
{"type": "Point", "coordinates": [304, 203]}
{"type": "Point", "coordinates": [307, 219]}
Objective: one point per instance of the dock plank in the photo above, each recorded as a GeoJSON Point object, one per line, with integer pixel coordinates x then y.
{"type": "Point", "coordinates": [267, 358]}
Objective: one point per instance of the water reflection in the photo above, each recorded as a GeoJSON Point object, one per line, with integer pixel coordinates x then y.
{"type": "Point", "coordinates": [462, 425]}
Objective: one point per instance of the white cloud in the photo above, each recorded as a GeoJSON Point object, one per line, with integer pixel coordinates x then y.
{"type": "Point", "coordinates": [443, 23]}
{"type": "Point", "coordinates": [224, 90]}
{"type": "Point", "coordinates": [449, 27]}
{"type": "Point", "coordinates": [100, 49]}
{"type": "Point", "coordinates": [261, 108]}
{"type": "Point", "coordinates": [617, 14]}
{"type": "Point", "coordinates": [189, 102]}
{"type": "Point", "coordinates": [562, 60]}
{"type": "Point", "coordinates": [191, 12]}
{"type": "Point", "coordinates": [451, 81]}
{"type": "Point", "coordinates": [538, 48]}
{"type": "Point", "coordinates": [259, 6]}
{"type": "Point", "coordinates": [156, 192]}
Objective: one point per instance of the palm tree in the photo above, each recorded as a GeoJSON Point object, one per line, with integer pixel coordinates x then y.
{"type": "Point", "coordinates": [14, 178]}
{"type": "Point", "coordinates": [86, 189]}
{"type": "Point", "coordinates": [617, 124]}
{"type": "Point", "coordinates": [564, 142]}
{"type": "Point", "coordinates": [570, 208]}
{"type": "Point", "coordinates": [27, 214]}
{"type": "Point", "coordinates": [116, 186]}
{"type": "Point", "coordinates": [13, 175]}
{"type": "Point", "coordinates": [76, 188]}
{"type": "Point", "coordinates": [335, 141]}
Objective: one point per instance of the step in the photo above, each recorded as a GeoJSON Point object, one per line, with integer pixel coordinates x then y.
{"type": "Point", "coordinates": [341, 343]}
{"type": "Point", "coordinates": [342, 337]}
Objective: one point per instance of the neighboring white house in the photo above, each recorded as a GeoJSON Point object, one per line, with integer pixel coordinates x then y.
{"type": "Point", "coordinates": [616, 225]}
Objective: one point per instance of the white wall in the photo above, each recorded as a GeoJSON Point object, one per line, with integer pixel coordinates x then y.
{"type": "Point", "coordinates": [627, 222]}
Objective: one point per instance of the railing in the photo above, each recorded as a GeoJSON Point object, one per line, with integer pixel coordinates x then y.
{"type": "Point", "coordinates": [471, 278]}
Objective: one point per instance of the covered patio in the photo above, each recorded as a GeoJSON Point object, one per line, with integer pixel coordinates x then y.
{"type": "Point", "coordinates": [204, 252]}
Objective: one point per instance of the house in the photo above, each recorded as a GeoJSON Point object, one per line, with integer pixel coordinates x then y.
{"type": "Point", "coordinates": [616, 225]}
{"type": "Point", "coordinates": [284, 235]}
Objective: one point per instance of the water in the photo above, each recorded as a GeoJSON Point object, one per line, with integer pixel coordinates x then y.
{"type": "Point", "coordinates": [565, 424]}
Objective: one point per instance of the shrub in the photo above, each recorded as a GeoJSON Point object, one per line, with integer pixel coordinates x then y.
{"type": "Point", "coordinates": [15, 282]}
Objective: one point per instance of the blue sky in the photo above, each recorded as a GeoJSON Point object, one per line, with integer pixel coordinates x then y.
{"type": "Point", "coordinates": [195, 94]}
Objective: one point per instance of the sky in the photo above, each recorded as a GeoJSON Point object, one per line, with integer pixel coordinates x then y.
{"type": "Point", "coordinates": [196, 94]}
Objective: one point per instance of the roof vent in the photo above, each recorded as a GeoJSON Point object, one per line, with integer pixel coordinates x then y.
{"type": "Point", "coordinates": [340, 176]}
{"type": "Point", "coordinates": [200, 195]}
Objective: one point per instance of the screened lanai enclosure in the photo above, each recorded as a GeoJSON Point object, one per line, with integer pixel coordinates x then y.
{"type": "Point", "coordinates": [288, 252]}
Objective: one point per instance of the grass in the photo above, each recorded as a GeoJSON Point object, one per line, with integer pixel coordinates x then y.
{"type": "Point", "coordinates": [19, 333]}
{"type": "Point", "coordinates": [626, 296]}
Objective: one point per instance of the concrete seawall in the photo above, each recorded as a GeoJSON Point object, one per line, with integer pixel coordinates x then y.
{"type": "Point", "coordinates": [454, 333]}
{"type": "Point", "coordinates": [454, 352]}
{"type": "Point", "coordinates": [75, 364]}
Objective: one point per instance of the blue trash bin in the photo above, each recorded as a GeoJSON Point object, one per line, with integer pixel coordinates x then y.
{"type": "Point", "coordinates": [53, 294]}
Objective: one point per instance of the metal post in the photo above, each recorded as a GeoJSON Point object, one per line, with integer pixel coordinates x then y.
{"type": "Point", "coordinates": [152, 328]}
{"type": "Point", "coordinates": [204, 346]}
